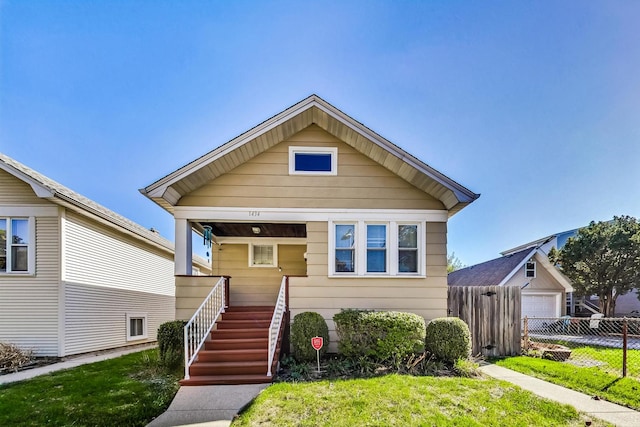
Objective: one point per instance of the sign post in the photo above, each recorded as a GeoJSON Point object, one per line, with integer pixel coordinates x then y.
{"type": "Point", "coordinates": [316, 343]}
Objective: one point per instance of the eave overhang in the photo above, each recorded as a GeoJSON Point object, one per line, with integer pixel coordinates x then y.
{"type": "Point", "coordinates": [167, 191]}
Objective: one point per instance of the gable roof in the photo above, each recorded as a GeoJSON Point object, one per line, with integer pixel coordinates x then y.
{"type": "Point", "coordinates": [490, 273]}
{"type": "Point", "coordinates": [168, 190]}
{"type": "Point", "coordinates": [497, 272]}
{"type": "Point", "coordinates": [55, 192]}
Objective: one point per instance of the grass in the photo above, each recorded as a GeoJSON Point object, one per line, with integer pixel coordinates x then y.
{"type": "Point", "coordinates": [405, 401]}
{"type": "Point", "coordinates": [128, 391]}
{"type": "Point", "coordinates": [593, 381]}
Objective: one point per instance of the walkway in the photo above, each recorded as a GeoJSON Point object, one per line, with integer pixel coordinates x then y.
{"type": "Point", "coordinates": [607, 411]}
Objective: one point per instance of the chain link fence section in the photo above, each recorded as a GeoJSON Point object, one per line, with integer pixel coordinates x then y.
{"type": "Point", "coordinates": [609, 344]}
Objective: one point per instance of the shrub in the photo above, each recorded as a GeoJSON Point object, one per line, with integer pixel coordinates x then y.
{"type": "Point", "coordinates": [306, 326]}
{"type": "Point", "coordinates": [171, 344]}
{"type": "Point", "coordinates": [380, 335]}
{"type": "Point", "coordinates": [13, 357]}
{"type": "Point", "coordinates": [448, 339]}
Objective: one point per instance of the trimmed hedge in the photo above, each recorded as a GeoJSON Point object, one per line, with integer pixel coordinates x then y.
{"type": "Point", "coordinates": [171, 343]}
{"type": "Point", "coordinates": [380, 335]}
{"type": "Point", "coordinates": [448, 339]}
{"type": "Point", "coordinates": [306, 326]}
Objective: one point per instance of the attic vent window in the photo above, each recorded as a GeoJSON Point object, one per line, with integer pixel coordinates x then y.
{"type": "Point", "coordinates": [313, 161]}
{"type": "Point", "coordinates": [530, 269]}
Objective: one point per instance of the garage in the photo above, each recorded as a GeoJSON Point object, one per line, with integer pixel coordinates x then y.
{"type": "Point", "coordinates": [541, 305]}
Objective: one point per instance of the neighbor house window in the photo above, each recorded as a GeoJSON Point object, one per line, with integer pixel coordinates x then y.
{"type": "Point", "coordinates": [136, 326]}
{"type": "Point", "coordinates": [263, 256]}
{"type": "Point", "coordinates": [313, 161]}
{"type": "Point", "coordinates": [363, 248]}
{"type": "Point", "coordinates": [17, 253]}
{"type": "Point", "coordinates": [530, 269]}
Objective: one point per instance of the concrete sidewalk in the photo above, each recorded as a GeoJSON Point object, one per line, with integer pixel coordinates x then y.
{"type": "Point", "coordinates": [71, 362]}
{"type": "Point", "coordinates": [606, 411]}
{"type": "Point", "coordinates": [212, 405]}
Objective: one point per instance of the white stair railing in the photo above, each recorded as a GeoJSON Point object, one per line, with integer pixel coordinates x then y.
{"type": "Point", "coordinates": [200, 325]}
{"type": "Point", "coordinates": [276, 321]}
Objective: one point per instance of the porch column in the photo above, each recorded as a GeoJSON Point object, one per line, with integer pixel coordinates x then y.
{"type": "Point", "coordinates": [182, 258]}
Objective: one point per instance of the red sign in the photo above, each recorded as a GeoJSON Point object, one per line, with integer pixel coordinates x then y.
{"type": "Point", "coordinates": [316, 343]}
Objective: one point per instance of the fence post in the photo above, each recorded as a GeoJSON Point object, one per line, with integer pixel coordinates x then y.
{"type": "Point", "coordinates": [624, 347]}
{"type": "Point", "coordinates": [526, 333]}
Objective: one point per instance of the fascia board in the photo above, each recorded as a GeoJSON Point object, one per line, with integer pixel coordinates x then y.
{"type": "Point", "coordinates": [564, 282]}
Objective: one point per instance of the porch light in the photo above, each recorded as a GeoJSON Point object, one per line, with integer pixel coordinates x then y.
{"type": "Point", "coordinates": [256, 230]}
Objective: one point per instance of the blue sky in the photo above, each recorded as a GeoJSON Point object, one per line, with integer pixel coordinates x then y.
{"type": "Point", "coordinates": [535, 105]}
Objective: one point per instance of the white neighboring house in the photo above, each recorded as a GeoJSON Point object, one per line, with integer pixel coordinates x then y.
{"type": "Point", "coordinates": [76, 277]}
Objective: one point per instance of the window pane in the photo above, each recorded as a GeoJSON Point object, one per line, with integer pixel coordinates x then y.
{"type": "Point", "coordinates": [345, 236]}
{"type": "Point", "coordinates": [136, 327]}
{"type": "Point", "coordinates": [376, 236]}
{"type": "Point", "coordinates": [408, 261]}
{"type": "Point", "coordinates": [19, 257]}
{"type": "Point", "coordinates": [263, 255]}
{"type": "Point", "coordinates": [313, 162]}
{"type": "Point", "coordinates": [20, 231]}
{"type": "Point", "coordinates": [344, 261]}
{"type": "Point", "coordinates": [376, 261]}
{"type": "Point", "coordinates": [408, 236]}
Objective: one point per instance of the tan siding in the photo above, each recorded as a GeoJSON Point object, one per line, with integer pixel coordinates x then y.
{"type": "Point", "coordinates": [255, 285]}
{"type": "Point", "coordinates": [265, 181]}
{"type": "Point", "coordinates": [543, 281]}
{"type": "Point", "coordinates": [426, 297]}
{"type": "Point", "coordinates": [96, 316]}
{"type": "Point", "coordinates": [16, 192]}
{"type": "Point", "coordinates": [29, 305]}
{"type": "Point", "coordinates": [99, 256]}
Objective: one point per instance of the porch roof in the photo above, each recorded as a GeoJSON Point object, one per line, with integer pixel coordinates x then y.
{"type": "Point", "coordinates": [168, 190]}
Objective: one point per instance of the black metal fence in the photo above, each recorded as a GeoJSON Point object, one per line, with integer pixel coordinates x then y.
{"type": "Point", "coordinates": [609, 344]}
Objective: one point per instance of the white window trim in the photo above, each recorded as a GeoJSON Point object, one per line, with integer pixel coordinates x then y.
{"type": "Point", "coordinates": [333, 151]}
{"type": "Point", "coordinates": [360, 247]}
{"type": "Point", "coordinates": [527, 270]}
{"type": "Point", "coordinates": [145, 329]}
{"type": "Point", "coordinates": [31, 246]}
{"type": "Point", "coordinates": [275, 255]}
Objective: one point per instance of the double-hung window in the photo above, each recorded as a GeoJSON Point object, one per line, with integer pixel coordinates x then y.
{"type": "Point", "coordinates": [345, 250]}
{"type": "Point", "coordinates": [376, 248]}
{"type": "Point", "coordinates": [16, 245]}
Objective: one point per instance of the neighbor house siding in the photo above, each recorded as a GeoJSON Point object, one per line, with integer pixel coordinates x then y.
{"type": "Point", "coordinates": [264, 181]}
{"type": "Point", "coordinates": [426, 297]}
{"type": "Point", "coordinates": [108, 274]}
{"type": "Point", "coordinates": [14, 192]}
{"type": "Point", "coordinates": [96, 316]}
{"type": "Point", "coordinates": [29, 304]}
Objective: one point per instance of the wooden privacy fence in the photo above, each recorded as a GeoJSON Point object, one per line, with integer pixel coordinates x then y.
{"type": "Point", "coordinates": [493, 316]}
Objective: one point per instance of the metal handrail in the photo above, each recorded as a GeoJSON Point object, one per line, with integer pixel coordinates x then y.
{"type": "Point", "coordinates": [200, 325]}
{"type": "Point", "coordinates": [276, 322]}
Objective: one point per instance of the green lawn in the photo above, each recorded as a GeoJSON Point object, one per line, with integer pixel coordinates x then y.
{"type": "Point", "coordinates": [127, 391]}
{"type": "Point", "coordinates": [593, 381]}
{"type": "Point", "coordinates": [405, 401]}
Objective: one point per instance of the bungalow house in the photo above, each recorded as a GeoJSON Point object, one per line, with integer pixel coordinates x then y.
{"type": "Point", "coordinates": [544, 288]}
{"type": "Point", "coordinates": [308, 211]}
{"type": "Point", "coordinates": [626, 305]}
{"type": "Point", "coordinates": [76, 277]}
